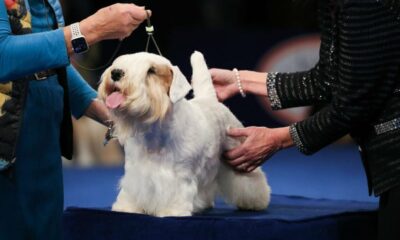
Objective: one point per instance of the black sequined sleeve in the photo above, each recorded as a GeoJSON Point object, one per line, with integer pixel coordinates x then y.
{"type": "Point", "coordinates": [368, 67]}
{"type": "Point", "coordinates": [287, 90]}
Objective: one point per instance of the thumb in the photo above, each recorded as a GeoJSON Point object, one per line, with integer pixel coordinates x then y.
{"type": "Point", "coordinates": [149, 12]}
{"type": "Point", "coordinates": [213, 72]}
{"type": "Point", "coordinates": [237, 132]}
{"type": "Point", "coordinates": [139, 13]}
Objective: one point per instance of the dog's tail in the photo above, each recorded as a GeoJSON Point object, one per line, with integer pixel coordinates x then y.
{"type": "Point", "coordinates": [248, 191]}
{"type": "Point", "coordinates": [201, 77]}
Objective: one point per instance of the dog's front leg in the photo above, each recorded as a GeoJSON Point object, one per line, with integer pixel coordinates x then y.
{"type": "Point", "coordinates": [125, 203]}
{"type": "Point", "coordinates": [181, 204]}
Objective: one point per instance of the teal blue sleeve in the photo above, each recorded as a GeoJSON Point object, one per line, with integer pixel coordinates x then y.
{"type": "Point", "coordinates": [23, 55]}
{"type": "Point", "coordinates": [80, 93]}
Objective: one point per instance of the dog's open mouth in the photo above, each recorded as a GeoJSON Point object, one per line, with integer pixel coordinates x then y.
{"type": "Point", "coordinates": [115, 98]}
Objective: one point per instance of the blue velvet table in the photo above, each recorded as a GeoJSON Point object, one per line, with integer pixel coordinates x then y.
{"type": "Point", "coordinates": [286, 218]}
{"type": "Point", "coordinates": [332, 204]}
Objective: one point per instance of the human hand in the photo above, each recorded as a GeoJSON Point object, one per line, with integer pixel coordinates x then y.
{"type": "Point", "coordinates": [98, 111]}
{"type": "Point", "coordinates": [116, 21]}
{"type": "Point", "coordinates": [224, 83]}
{"type": "Point", "coordinates": [259, 145]}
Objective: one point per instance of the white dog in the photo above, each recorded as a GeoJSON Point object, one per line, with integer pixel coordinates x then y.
{"type": "Point", "coordinates": [173, 146]}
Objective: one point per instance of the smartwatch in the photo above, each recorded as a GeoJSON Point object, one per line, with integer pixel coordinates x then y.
{"type": "Point", "coordinates": [78, 41]}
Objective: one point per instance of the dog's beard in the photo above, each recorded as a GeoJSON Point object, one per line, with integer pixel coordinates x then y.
{"type": "Point", "coordinates": [144, 102]}
{"type": "Point", "coordinates": [145, 105]}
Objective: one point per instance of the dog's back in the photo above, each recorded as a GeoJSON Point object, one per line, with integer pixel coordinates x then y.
{"type": "Point", "coordinates": [245, 190]}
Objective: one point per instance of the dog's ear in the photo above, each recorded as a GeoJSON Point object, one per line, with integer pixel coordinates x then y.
{"type": "Point", "coordinates": [164, 74]}
{"type": "Point", "coordinates": [180, 86]}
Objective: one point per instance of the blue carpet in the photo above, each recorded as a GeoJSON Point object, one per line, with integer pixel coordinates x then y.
{"type": "Point", "coordinates": [334, 173]}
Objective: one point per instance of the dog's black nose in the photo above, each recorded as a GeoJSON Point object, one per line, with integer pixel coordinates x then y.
{"type": "Point", "coordinates": [117, 74]}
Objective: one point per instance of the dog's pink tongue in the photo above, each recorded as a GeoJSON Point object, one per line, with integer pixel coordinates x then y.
{"type": "Point", "coordinates": [114, 100]}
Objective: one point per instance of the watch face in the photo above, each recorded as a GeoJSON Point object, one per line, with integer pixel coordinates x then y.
{"type": "Point", "coordinates": [79, 45]}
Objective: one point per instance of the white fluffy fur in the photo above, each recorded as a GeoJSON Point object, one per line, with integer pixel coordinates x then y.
{"type": "Point", "coordinates": [173, 146]}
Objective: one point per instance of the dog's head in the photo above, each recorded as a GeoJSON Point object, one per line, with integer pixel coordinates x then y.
{"type": "Point", "coordinates": [142, 86]}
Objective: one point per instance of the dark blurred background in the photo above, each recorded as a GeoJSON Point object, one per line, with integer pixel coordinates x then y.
{"type": "Point", "coordinates": [271, 35]}
{"type": "Point", "coordinates": [254, 35]}
{"type": "Point", "coordinates": [230, 33]}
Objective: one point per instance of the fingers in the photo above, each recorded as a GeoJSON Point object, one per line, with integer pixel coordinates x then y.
{"type": "Point", "coordinates": [239, 150]}
{"type": "Point", "coordinates": [235, 162]}
{"type": "Point", "coordinates": [224, 84]}
{"type": "Point", "coordinates": [243, 164]}
{"type": "Point", "coordinates": [238, 158]}
{"type": "Point", "coordinates": [213, 72]}
{"type": "Point", "coordinates": [238, 132]}
{"type": "Point", "coordinates": [252, 167]}
{"type": "Point", "coordinates": [138, 13]}
{"type": "Point", "coordinates": [249, 155]}
{"type": "Point", "coordinates": [245, 167]}
{"type": "Point", "coordinates": [221, 76]}
{"type": "Point", "coordinates": [255, 165]}
{"type": "Point", "coordinates": [149, 12]}
{"type": "Point", "coordinates": [116, 21]}
{"type": "Point", "coordinates": [223, 92]}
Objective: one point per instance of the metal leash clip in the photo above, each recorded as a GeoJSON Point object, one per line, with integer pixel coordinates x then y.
{"type": "Point", "coordinates": [110, 133]}
{"type": "Point", "coordinates": [150, 32]}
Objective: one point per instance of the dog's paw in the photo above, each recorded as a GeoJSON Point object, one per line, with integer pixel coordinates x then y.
{"type": "Point", "coordinates": [173, 213]}
{"type": "Point", "coordinates": [128, 208]}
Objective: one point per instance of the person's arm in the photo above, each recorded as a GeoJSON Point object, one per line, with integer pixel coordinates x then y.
{"type": "Point", "coordinates": [296, 89]}
{"type": "Point", "coordinates": [284, 90]}
{"type": "Point", "coordinates": [83, 99]}
{"type": "Point", "coordinates": [99, 112]}
{"type": "Point", "coordinates": [117, 21]}
{"type": "Point", "coordinates": [81, 94]}
{"type": "Point", "coordinates": [368, 73]}
{"type": "Point", "coordinates": [23, 55]}
{"type": "Point", "coordinates": [305, 88]}
{"type": "Point", "coordinates": [259, 145]}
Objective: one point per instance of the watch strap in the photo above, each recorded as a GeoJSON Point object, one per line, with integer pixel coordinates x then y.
{"type": "Point", "coordinates": [78, 41]}
{"type": "Point", "coordinates": [75, 30]}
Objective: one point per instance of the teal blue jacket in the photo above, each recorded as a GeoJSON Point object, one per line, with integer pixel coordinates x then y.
{"type": "Point", "coordinates": [24, 55]}
{"type": "Point", "coordinates": [35, 52]}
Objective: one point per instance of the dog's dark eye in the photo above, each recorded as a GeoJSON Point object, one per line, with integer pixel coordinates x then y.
{"type": "Point", "coordinates": [151, 70]}
{"type": "Point", "coordinates": [117, 74]}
